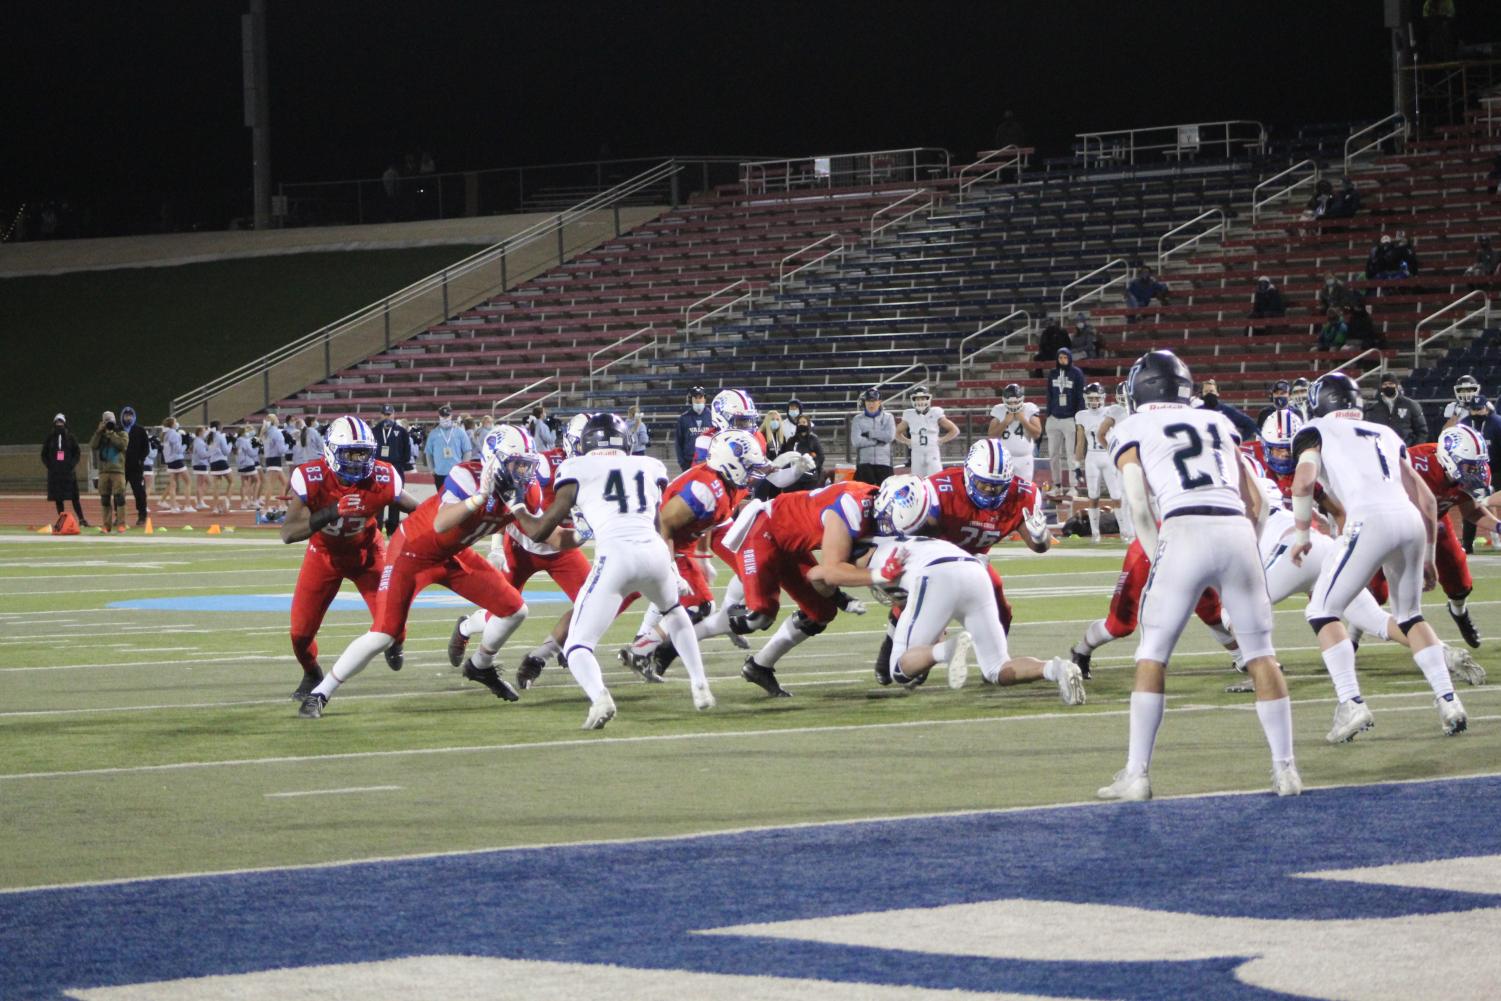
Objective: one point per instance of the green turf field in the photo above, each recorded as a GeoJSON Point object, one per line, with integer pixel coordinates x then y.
{"type": "Point", "coordinates": [141, 742]}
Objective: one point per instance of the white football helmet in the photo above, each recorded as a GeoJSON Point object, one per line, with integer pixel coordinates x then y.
{"type": "Point", "coordinates": [901, 505]}
{"type": "Point", "coordinates": [737, 457]}
{"type": "Point", "coordinates": [732, 408]}
{"type": "Point", "coordinates": [921, 399]}
{"type": "Point", "coordinates": [1120, 395]}
{"type": "Point", "coordinates": [988, 473]}
{"type": "Point", "coordinates": [512, 452]}
{"type": "Point", "coordinates": [1094, 396]}
{"type": "Point", "coordinates": [1466, 389]}
{"type": "Point", "coordinates": [571, 432]}
{"type": "Point", "coordinates": [349, 449]}
{"type": "Point", "coordinates": [1464, 458]}
{"type": "Point", "coordinates": [1277, 434]}
{"type": "Point", "coordinates": [1298, 395]}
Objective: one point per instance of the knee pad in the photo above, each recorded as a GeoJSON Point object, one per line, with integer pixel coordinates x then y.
{"type": "Point", "coordinates": [119, 500]}
{"type": "Point", "coordinates": [1317, 625]}
{"type": "Point", "coordinates": [1407, 626]}
{"type": "Point", "coordinates": [807, 625]}
{"type": "Point", "coordinates": [743, 621]}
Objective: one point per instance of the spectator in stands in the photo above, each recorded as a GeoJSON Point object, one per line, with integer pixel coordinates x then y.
{"type": "Point", "coordinates": [1279, 397]}
{"type": "Point", "coordinates": [1382, 261]}
{"type": "Point", "coordinates": [871, 433]}
{"type": "Point", "coordinates": [447, 446]}
{"type": "Point", "coordinates": [1209, 399]}
{"type": "Point", "coordinates": [1143, 289]}
{"type": "Point", "coordinates": [794, 411]}
{"type": "Point", "coordinates": [1485, 262]}
{"type": "Point", "coordinates": [1334, 294]}
{"type": "Point", "coordinates": [60, 455]}
{"type": "Point", "coordinates": [1065, 399]}
{"type": "Point", "coordinates": [138, 446]}
{"type": "Point", "coordinates": [1407, 257]}
{"type": "Point", "coordinates": [1493, 179]}
{"type": "Point", "coordinates": [393, 445]}
{"type": "Point", "coordinates": [1398, 412]}
{"type": "Point", "coordinates": [1345, 203]}
{"type": "Point", "coordinates": [1359, 328]}
{"type": "Point", "coordinates": [1334, 332]}
{"type": "Point", "coordinates": [542, 432]}
{"type": "Point", "coordinates": [1054, 339]}
{"type": "Point", "coordinates": [109, 444]}
{"type": "Point", "coordinates": [1085, 342]}
{"type": "Point", "coordinates": [690, 423]}
{"type": "Point", "coordinates": [1267, 301]}
{"type": "Point", "coordinates": [1318, 205]}
{"type": "Point", "coordinates": [776, 431]}
{"type": "Point", "coordinates": [638, 436]}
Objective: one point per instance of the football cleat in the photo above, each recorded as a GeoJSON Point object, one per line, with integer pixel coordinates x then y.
{"type": "Point", "coordinates": [1241, 686]}
{"type": "Point", "coordinates": [1081, 659]}
{"type": "Point", "coordinates": [529, 671]}
{"type": "Point", "coordinates": [764, 678]}
{"type": "Point", "coordinates": [1466, 627]}
{"type": "Point", "coordinates": [739, 642]}
{"type": "Point", "coordinates": [1070, 681]}
{"type": "Point", "coordinates": [1127, 787]}
{"type": "Point", "coordinates": [883, 663]}
{"type": "Point", "coordinates": [642, 663]}
{"type": "Point", "coordinates": [600, 712]}
{"type": "Point", "coordinates": [1463, 667]}
{"type": "Point", "coordinates": [1286, 781]}
{"type": "Point", "coordinates": [491, 679]}
{"type": "Point", "coordinates": [703, 698]}
{"type": "Point", "coordinates": [1350, 718]}
{"type": "Point", "coordinates": [662, 658]}
{"type": "Point", "coordinates": [457, 642]}
{"type": "Point", "coordinates": [1451, 712]}
{"type": "Point", "coordinates": [309, 681]}
{"type": "Point", "coordinates": [395, 656]}
{"type": "Point", "coordinates": [959, 660]}
{"type": "Point", "coordinates": [312, 705]}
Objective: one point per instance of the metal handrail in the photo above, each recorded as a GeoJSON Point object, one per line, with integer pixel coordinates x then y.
{"type": "Point", "coordinates": [1016, 159]}
{"type": "Point", "coordinates": [1223, 225]}
{"type": "Point", "coordinates": [556, 377]}
{"type": "Point", "coordinates": [1257, 204]}
{"type": "Point", "coordinates": [964, 359]}
{"type": "Point", "coordinates": [1131, 147]}
{"type": "Point", "coordinates": [750, 172]}
{"type": "Point", "coordinates": [1368, 351]}
{"type": "Point", "coordinates": [927, 378]}
{"type": "Point", "coordinates": [1063, 307]}
{"type": "Point", "coordinates": [593, 371]}
{"type": "Point", "coordinates": [546, 227]}
{"type": "Point", "coordinates": [877, 230]}
{"type": "Point", "coordinates": [1418, 340]}
{"type": "Point", "coordinates": [505, 418]}
{"type": "Point", "coordinates": [783, 274]}
{"type": "Point", "coordinates": [1400, 130]}
{"type": "Point", "coordinates": [690, 321]}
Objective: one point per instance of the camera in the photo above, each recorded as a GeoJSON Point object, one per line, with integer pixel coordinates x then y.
{"type": "Point", "coordinates": [109, 425]}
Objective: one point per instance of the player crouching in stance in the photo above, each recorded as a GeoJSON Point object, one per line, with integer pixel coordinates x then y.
{"type": "Point", "coordinates": [939, 582]}
{"type": "Point", "coordinates": [1390, 523]}
{"type": "Point", "coordinates": [1185, 460]}
{"type": "Point", "coordinates": [334, 505]}
{"type": "Point", "coordinates": [432, 547]}
{"type": "Point", "coordinates": [619, 495]}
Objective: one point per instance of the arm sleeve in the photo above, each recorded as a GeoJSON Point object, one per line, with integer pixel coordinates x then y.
{"type": "Point", "coordinates": [459, 485]}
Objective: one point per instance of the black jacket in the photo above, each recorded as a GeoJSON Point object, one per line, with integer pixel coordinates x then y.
{"type": "Point", "coordinates": [137, 447]}
{"type": "Point", "coordinates": [1402, 415]}
{"type": "Point", "coordinates": [689, 425]}
{"type": "Point", "coordinates": [60, 440]}
{"type": "Point", "coordinates": [393, 444]}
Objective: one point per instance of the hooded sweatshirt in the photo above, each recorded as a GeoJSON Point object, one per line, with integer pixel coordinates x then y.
{"type": "Point", "coordinates": [1065, 388]}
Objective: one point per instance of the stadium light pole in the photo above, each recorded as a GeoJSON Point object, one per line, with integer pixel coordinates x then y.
{"type": "Point", "coordinates": [257, 106]}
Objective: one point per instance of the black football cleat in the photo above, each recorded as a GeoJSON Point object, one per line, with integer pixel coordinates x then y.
{"type": "Point", "coordinates": [883, 663]}
{"type": "Point", "coordinates": [312, 706]}
{"type": "Point", "coordinates": [661, 659]}
{"type": "Point", "coordinates": [1082, 660]}
{"type": "Point", "coordinates": [457, 643]}
{"type": "Point", "coordinates": [764, 678]}
{"type": "Point", "coordinates": [396, 656]}
{"type": "Point", "coordinates": [309, 682]}
{"type": "Point", "coordinates": [1466, 627]}
{"type": "Point", "coordinates": [529, 671]}
{"type": "Point", "coordinates": [491, 679]}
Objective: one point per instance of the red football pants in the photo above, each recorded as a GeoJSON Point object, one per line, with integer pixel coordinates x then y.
{"type": "Point", "coordinates": [318, 584]}
{"type": "Point", "coordinates": [1125, 604]}
{"type": "Point", "coordinates": [468, 574]}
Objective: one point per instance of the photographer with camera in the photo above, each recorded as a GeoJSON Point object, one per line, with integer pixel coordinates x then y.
{"type": "Point", "coordinates": [109, 443]}
{"type": "Point", "coordinates": [137, 448]}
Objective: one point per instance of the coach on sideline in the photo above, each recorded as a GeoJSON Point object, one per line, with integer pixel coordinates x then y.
{"type": "Point", "coordinates": [871, 433]}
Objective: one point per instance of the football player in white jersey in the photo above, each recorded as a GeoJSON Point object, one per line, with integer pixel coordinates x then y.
{"type": "Point", "coordinates": [1016, 423]}
{"type": "Point", "coordinates": [1186, 462]}
{"type": "Point", "coordinates": [619, 495]}
{"type": "Point", "coordinates": [940, 582]}
{"type": "Point", "coordinates": [1390, 523]}
{"type": "Point", "coordinates": [924, 429]}
{"type": "Point", "coordinates": [1114, 414]}
{"type": "Point", "coordinates": [1091, 452]}
{"type": "Point", "coordinates": [1466, 388]}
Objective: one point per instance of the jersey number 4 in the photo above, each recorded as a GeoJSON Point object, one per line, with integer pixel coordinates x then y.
{"type": "Point", "coordinates": [615, 491]}
{"type": "Point", "coordinates": [1192, 448]}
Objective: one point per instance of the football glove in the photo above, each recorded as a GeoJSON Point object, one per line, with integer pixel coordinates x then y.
{"type": "Point", "coordinates": [787, 458]}
{"type": "Point", "coordinates": [892, 570]}
{"type": "Point", "coordinates": [352, 506]}
{"type": "Point", "coordinates": [498, 553]}
{"type": "Point", "coordinates": [488, 474]}
{"type": "Point", "coordinates": [1036, 525]}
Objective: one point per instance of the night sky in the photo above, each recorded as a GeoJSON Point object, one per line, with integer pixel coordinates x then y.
{"type": "Point", "coordinates": [145, 96]}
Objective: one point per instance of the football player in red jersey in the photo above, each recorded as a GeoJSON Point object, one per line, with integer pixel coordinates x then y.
{"type": "Point", "coordinates": [334, 503]}
{"type": "Point", "coordinates": [432, 547]}
{"type": "Point", "coordinates": [1457, 469]}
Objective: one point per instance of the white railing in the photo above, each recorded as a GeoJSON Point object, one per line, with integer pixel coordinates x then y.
{"type": "Point", "coordinates": [1398, 132]}
{"type": "Point", "coordinates": [1492, 117]}
{"type": "Point", "coordinates": [1419, 341]}
{"type": "Point", "coordinates": [1349, 362]}
{"type": "Point", "coordinates": [965, 359]}
{"type": "Point", "coordinates": [428, 296]}
{"type": "Point", "coordinates": [994, 162]}
{"type": "Point", "coordinates": [1170, 141]}
{"type": "Point", "coordinates": [1258, 203]}
{"type": "Point", "coordinates": [555, 379]}
{"type": "Point", "coordinates": [1193, 241]}
{"type": "Point", "coordinates": [690, 322]}
{"type": "Point", "coordinates": [1065, 304]}
{"type": "Point", "coordinates": [843, 169]}
{"type": "Point", "coordinates": [926, 380]}
{"type": "Point", "coordinates": [595, 370]}
{"type": "Point", "coordinates": [928, 200]}
{"type": "Point", "coordinates": [783, 274]}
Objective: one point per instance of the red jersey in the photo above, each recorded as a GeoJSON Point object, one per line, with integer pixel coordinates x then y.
{"type": "Point", "coordinates": [423, 543]}
{"type": "Point", "coordinates": [707, 496]}
{"type": "Point", "coordinates": [797, 517]}
{"type": "Point", "coordinates": [317, 486]}
{"type": "Point", "coordinates": [974, 529]}
{"type": "Point", "coordinates": [1424, 460]}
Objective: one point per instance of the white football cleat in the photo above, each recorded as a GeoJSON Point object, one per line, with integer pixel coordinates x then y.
{"type": "Point", "coordinates": [1070, 681]}
{"type": "Point", "coordinates": [1350, 718]}
{"type": "Point", "coordinates": [1286, 781]}
{"type": "Point", "coordinates": [958, 670]}
{"type": "Point", "coordinates": [703, 698]}
{"type": "Point", "coordinates": [1128, 787]}
{"type": "Point", "coordinates": [1463, 667]}
{"type": "Point", "coordinates": [600, 713]}
{"type": "Point", "coordinates": [1452, 713]}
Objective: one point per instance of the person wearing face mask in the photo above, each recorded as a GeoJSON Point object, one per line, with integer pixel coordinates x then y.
{"type": "Point", "coordinates": [1398, 412]}
{"type": "Point", "coordinates": [871, 433]}
{"type": "Point", "coordinates": [1209, 399]}
{"type": "Point", "coordinates": [60, 454]}
{"type": "Point", "coordinates": [447, 445]}
{"type": "Point", "coordinates": [138, 445]}
{"type": "Point", "coordinates": [690, 423]}
{"type": "Point", "coordinates": [804, 440]}
{"type": "Point", "coordinates": [776, 431]}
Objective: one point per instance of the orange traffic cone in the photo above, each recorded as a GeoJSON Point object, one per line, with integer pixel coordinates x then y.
{"type": "Point", "coordinates": [66, 524]}
{"type": "Point", "coordinates": [213, 529]}
{"type": "Point", "coordinates": [44, 530]}
{"type": "Point", "coordinates": [149, 529]}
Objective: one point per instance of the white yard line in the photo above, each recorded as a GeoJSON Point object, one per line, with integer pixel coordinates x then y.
{"type": "Point", "coordinates": [330, 792]}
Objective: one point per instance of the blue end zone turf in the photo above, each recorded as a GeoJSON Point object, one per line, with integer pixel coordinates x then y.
{"type": "Point", "coordinates": [635, 904]}
{"type": "Point", "coordinates": [283, 602]}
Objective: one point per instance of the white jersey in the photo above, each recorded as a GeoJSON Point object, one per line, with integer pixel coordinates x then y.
{"type": "Point", "coordinates": [1189, 457]}
{"type": "Point", "coordinates": [618, 494]}
{"type": "Point", "coordinates": [1014, 436]}
{"type": "Point", "coordinates": [1090, 421]}
{"type": "Point", "coordinates": [1360, 462]}
{"type": "Point", "coordinates": [923, 429]}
